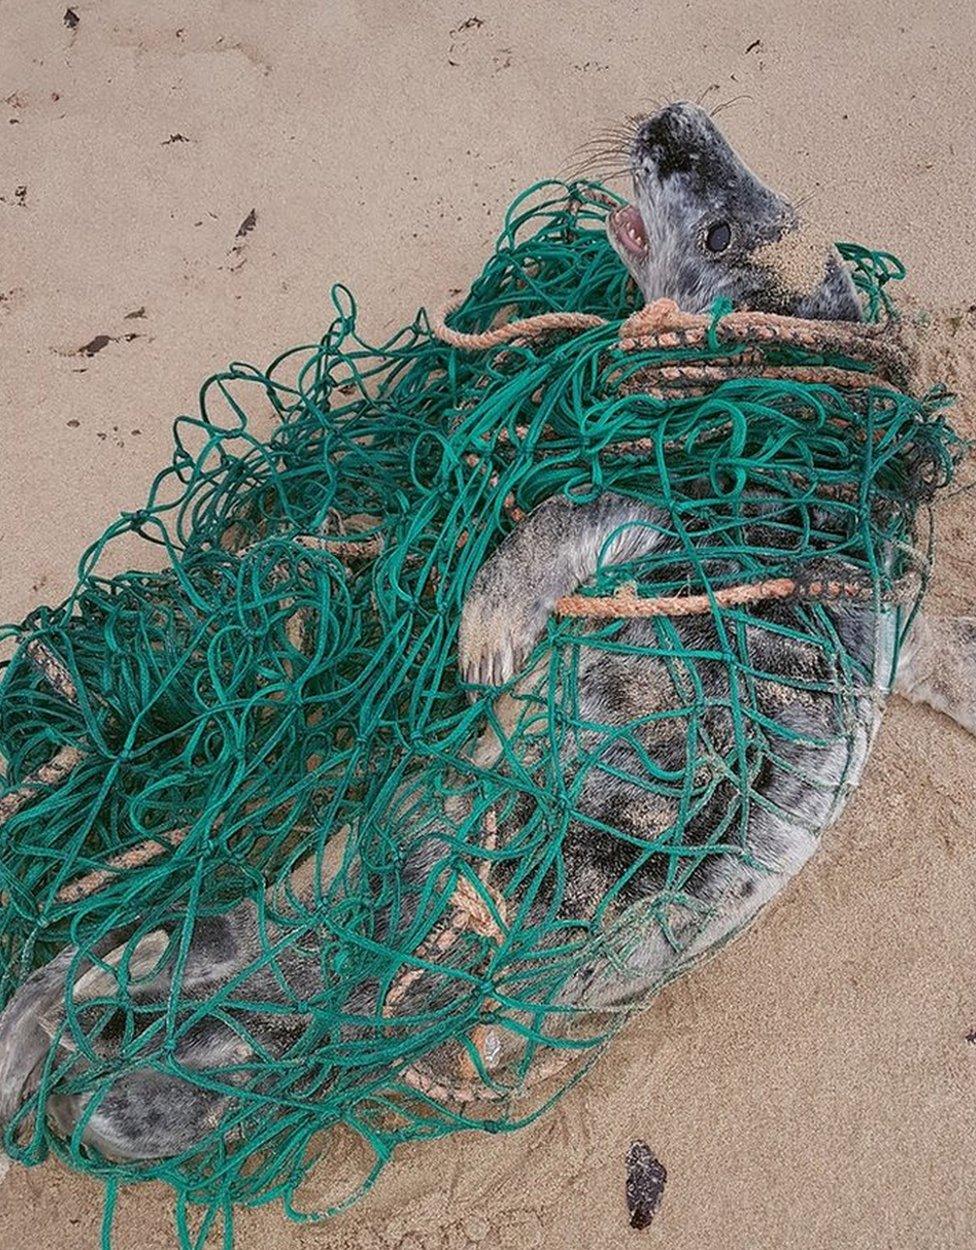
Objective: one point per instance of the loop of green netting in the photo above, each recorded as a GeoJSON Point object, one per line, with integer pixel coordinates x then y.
{"type": "Point", "coordinates": [283, 684]}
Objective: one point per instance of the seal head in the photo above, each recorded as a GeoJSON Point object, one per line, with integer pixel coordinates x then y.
{"type": "Point", "coordinates": [703, 227]}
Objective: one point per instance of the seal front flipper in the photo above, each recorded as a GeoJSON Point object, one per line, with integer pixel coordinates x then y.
{"type": "Point", "coordinates": [938, 666]}
{"type": "Point", "coordinates": [558, 547]}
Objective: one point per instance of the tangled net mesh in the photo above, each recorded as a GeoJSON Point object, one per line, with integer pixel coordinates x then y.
{"type": "Point", "coordinates": [278, 714]}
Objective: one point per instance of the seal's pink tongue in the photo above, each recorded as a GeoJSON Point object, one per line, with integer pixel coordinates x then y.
{"type": "Point", "coordinates": [629, 229]}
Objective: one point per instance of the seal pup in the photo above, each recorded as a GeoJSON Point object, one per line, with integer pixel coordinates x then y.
{"type": "Point", "coordinates": [701, 226]}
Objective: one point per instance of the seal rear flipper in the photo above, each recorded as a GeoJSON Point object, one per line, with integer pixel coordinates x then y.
{"type": "Point", "coordinates": [24, 1040]}
{"type": "Point", "coordinates": [143, 1100]}
{"type": "Point", "coordinates": [937, 666]}
{"type": "Point", "coordinates": [149, 1113]}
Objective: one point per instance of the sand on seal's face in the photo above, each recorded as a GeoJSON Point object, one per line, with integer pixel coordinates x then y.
{"type": "Point", "coordinates": [810, 1088]}
{"type": "Point", "coordinates": [799, 258]}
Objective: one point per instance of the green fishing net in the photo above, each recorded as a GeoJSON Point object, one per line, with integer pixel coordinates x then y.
{"type": "Point", "coordinates": [284, 692]}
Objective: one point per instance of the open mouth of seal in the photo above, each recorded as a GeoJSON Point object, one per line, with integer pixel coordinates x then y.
{"type": "Point", "coordinates": [628, 230]}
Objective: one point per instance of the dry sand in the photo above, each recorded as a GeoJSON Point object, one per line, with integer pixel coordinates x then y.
{"type": "Point", "coordinates": [812, 1087]}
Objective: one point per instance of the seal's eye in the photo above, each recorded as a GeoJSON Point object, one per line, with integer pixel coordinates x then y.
{"type": "Point", "coordinates": [718, 237]}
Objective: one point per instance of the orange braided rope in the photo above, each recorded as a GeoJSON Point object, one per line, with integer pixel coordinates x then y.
{"type": "Point", "coordinates": [134, 857]}
{"type": "Point", "coordinates": [625, 602]}
{"type": "Point", "coordinates": [57, 768]}
{"type": "Point", "coordinates": [526, 328]}
{"type": "Point", "coordinates": [60, 766]}
{"type": "Point", "coordinates": [662, 324]}
{"type": "Point", "coordinates": [469, 912]}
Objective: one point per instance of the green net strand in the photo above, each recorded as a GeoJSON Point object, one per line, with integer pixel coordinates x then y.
{"type": "Point", "coordinates": [254, 704]}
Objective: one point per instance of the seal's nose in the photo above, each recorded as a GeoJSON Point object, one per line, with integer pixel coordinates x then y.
{"type": "Point", "coordinates": [665, 138]}
{"type": "Point", "coordinates": [660, 128]}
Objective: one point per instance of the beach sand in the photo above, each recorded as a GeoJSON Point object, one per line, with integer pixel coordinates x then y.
{"type": "Point", "coordinates": [813, 1086]}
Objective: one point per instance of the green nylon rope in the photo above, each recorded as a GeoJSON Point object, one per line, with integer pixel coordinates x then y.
{"type": "Point", "coordinates": [197, 711]}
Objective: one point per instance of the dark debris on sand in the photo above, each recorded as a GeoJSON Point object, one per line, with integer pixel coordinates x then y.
{"type": "Point", "coordinates": [646, 1178]}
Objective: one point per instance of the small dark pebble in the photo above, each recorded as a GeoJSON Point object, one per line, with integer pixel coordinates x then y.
{"type": "Point", "coordinates": [646, 1178]}
{"type": "Point", "coordinates": [136, 312]}
{"type": "Point", "coordinates": [177, 138]}
{"type": "Point", "coordinates": [20, 195]}
{"type": "Point", "coordinates": [756, 43]}
{"type": "Point", "coordinates": [73, 424]}
{"type": "Point", "coordinates": [96, 345]}
{"type": "Point", "coordinates": [971, 1037]}
{"type": "Point", "coordinates": [248, 224]}
{"type": "Point", "coordinates": [71, 19]}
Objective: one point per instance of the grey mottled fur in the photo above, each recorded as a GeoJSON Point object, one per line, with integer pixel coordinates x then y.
{"type": "Point", "coordinates": [686, 178]}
